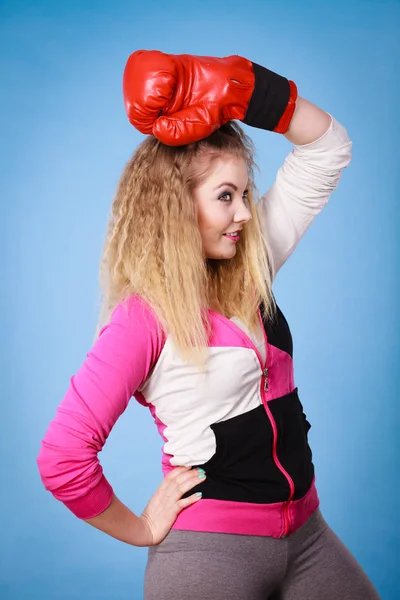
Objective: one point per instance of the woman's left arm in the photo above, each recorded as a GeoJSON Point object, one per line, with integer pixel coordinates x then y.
{"type": "Point", "coordinates": [308, 123]}
{"type": "Point", "coordinates": [304, 183]}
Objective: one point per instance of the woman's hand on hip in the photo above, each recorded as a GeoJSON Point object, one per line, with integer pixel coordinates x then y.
{"type": "Point", "coordinates": [167, 502]}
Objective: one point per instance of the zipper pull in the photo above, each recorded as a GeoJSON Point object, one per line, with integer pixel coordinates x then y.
{"type": "Point", "coordinates": [265, 373]}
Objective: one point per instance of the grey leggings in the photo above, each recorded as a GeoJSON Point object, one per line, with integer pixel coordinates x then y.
{"type": "Point", "coordinates": [310, 564]}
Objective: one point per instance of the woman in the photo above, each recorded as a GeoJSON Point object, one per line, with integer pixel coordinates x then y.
{"type": "Point", "coordinates": [194, 333]}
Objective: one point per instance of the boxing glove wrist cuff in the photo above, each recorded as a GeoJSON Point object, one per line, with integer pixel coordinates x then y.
{"type": "Point", "coordinates": [273, 101]}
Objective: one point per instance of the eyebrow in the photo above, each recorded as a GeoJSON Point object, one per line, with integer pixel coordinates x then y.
{"type": "Point", "coordinates": [232, 185]}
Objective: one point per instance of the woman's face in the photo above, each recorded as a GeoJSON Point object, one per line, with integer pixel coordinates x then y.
{"type": "Point", "coordinates": [222, 206]}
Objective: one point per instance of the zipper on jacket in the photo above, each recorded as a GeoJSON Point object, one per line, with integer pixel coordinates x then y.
{"type": "Point", "coordinates": [265, 373]}
{"type": "Point", "coordinates": [286, 515]}
{"type": "Point", "coordinates": [264, 388]}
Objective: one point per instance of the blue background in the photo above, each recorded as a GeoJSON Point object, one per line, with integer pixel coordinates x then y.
{"type": "Point", "coordinates": [65, 139]}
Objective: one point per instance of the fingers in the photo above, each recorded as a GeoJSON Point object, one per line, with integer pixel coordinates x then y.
{"type": "Point", "coordinates": [182, 480]}
{"type": "Point", "coordinates": [176, 472]}
{"type": "Point", "coordinates": [187, 481]}
{"type": "Point", "coordinates": [167, 502]}
{"type": "Point", "coordinates": [184, 502]}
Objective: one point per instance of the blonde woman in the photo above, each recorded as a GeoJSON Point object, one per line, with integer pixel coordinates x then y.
{"type": "Point", "coordinates": [191, 329]}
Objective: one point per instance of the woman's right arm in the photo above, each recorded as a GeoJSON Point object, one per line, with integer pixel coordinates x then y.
{"type": "Point", "coordinates": [121, 523]}
{"type": "Point", "coordinates": [117, 364]}
{"type": "Point", "coordinates": [159, 515]}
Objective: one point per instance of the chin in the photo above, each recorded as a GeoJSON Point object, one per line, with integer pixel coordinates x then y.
{"type": "Point", "coordinates": [221, 255]}
{"type": "Point", "coordinates": [220, 250]}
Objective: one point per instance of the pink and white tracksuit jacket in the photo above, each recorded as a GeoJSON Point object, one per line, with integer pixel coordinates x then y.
{"type": "Point", "coordinates": [242, 420]}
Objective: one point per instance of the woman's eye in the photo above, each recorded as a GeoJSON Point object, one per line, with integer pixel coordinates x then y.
{"type": "Point", "coordinates": [226, 197]}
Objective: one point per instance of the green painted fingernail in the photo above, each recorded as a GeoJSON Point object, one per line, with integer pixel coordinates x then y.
{"type": "Point", "coordinates": [199, 494]}
{"type": "Point", "coordinates": [200, 470]}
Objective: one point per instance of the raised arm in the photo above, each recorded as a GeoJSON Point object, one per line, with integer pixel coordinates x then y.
{"type": "Point", "coordinates": [308, 123]}
{"type": "Point", "coordinates": [304, 183]}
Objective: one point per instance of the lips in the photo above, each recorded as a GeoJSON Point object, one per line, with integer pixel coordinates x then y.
{"type": "Point", "coordinates": [234, 238]}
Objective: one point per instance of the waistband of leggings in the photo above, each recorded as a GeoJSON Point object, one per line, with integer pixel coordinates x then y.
{"type": "Point", "coordinates": [247, 518]}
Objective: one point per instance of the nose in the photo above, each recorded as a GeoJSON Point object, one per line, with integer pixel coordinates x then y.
{"type": "Point", "coordinates": [242, 214]}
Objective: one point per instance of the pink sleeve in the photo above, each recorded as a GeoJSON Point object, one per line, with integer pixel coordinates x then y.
{"type": "Point", "coordinates": [118, 363]}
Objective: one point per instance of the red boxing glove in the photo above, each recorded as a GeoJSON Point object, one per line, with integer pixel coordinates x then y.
{"type": "Point", "coordinates": [181, 98]}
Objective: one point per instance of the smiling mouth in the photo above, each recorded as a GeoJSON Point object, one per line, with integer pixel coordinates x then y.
{"type": "Point", "coordinates": [234, 238]}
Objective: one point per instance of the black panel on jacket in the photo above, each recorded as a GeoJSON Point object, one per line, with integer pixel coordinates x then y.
{"type": "Point", "coordinates": [278, 332]}
{"type": "Point", "coordinates": [293, 450]}
{"type": "Point", "coordinates": [243, 469]}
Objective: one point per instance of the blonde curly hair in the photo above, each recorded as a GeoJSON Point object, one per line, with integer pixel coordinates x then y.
{"type": "Point", "coordinates": [153, 246]}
